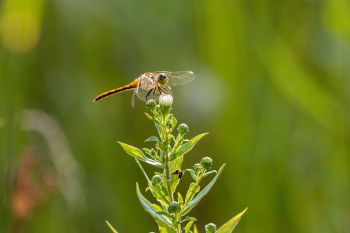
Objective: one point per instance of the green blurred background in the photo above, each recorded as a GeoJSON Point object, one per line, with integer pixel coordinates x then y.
{"type": "Point", "coordinates": [272, 88]}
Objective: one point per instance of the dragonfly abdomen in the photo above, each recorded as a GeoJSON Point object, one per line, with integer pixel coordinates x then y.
{"type": "Point", "coordinates": [129, 86]}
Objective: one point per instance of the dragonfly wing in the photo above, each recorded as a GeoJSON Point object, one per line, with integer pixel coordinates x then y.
{"type": "Point", "coordinates": [178, 78]}
{"type": "Point", "coordinates": [141, 94]}
{"type": "Point", "coordinates": [154, 93]}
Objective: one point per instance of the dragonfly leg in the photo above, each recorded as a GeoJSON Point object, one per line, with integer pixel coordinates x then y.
{"type": "Point", "coordinates": [148, 93]}
{"type": "Point", "coordinates": [164, 90]}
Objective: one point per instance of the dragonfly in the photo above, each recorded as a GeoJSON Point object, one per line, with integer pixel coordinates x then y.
{"type": "Point", "coordinates": [151, 85]}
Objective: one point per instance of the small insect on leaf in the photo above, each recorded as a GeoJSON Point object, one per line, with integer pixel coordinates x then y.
{"type": "Point", "coordinates": [179, 173]}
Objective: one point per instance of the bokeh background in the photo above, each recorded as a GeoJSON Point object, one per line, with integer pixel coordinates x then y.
{"type": "Point", "coordinates": [272, 88]}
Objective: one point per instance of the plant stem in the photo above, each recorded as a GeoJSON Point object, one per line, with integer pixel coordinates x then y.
{"type": "Point", "coordinates": [167, 155]}
{"type": "Point", "coordinates": [168, 177]}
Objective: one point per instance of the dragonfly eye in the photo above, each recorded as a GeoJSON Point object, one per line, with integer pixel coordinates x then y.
{"type": "Point", "coordinates": [161, 76]}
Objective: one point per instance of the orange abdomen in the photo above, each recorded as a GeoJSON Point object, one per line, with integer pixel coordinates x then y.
{"type": "Point", "coordinates": [129, 86]}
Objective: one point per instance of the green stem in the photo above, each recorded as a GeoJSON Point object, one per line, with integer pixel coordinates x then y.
{"type": "Point", "coordinates": [166, 157]}
{"type": "Point", "coordinates": [168, 177]}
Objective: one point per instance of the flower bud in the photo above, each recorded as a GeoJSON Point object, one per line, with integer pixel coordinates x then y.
{"type": "Point", "coordinates": [197, 167]}
{"type": "Point", "coordinates": [151, 104]}
{"type": "Point", "coordinates": [182, 129]}
{"type": "Point", "coordinates": [156, 180]}
{"type": "Point", "coordinates": [206, 162]}
{"type": "Point", "coordinates": [174, 207]}
{"type": "Point", "coordinates": [210, 228]}
{"type": "Point", "coordinates": [165, 100]}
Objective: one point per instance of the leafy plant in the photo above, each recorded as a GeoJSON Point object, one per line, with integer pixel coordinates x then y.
{"type": "Point", "coordinates": [167, 155]}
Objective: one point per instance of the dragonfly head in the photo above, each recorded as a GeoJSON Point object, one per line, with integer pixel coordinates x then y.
{"type": "Point", "coordinates": [162, 78]}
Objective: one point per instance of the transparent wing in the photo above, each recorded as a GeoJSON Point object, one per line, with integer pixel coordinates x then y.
{"type": "Point", "coordinates": [178, 78]}
{"type": "Point", "coordinates": [154, 94]}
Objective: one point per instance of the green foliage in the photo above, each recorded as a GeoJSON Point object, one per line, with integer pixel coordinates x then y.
{"type": "Point", "coordinates": [168, 152]}
{"type": "Point", "coordinates": [111, 227]}
{"type": "Point", "coordinates": [231, 224]}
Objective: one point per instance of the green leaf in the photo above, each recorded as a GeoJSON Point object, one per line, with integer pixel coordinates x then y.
{"type": "Point", "coordinates": [111, 227]}
{"type": "Point", "coordinates": [202, 193]}
{"type": "Point", "coordinates": [173, 122]}
{"type": "Point", "coordinates": [231, 224]}
{"type": "Point", "coordinates": [192, 190]}
{"type": "Point", "coordinates": [152, 139]}
{"type": "Point", "coordinates": [209, 173]}
{"type": "Point", "coordinates": [195, 229]}
{"type": "Point", "coordinates": [144, 172]}
{"type": "Point", "coordinates": [176, 164]}
{"type": "Point", "coordinates": [188, 218]}
{"type": "Point", "coordinates": [187, 146]}
{"type": "Point", "coordinates": [162, 229]}
{"type": "Point", "coordinates": [162, 220]}
{"type": "Point", "coordinates": [159, 196]}
{"type": "Point", "coordinates": [147, 151]}
{"type": "Point", "coordinates": [138, 154]}
{"type": "Point", "coordinates": [174, 182]}
{"type": "Point", "coordinates": [189, 225]}
{"type": "Point", "coordinates": [160, 130]}
{"type": "Point", "coordinates": [149, 116]}
{"type": "Point", "coordinates": [193, 173]}
{"type": "Point", "coordinates": [180, 199]}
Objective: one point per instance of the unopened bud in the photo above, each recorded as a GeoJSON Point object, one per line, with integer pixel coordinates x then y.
{"type": "Point", "coordinates": [210, 228]}
{"type": "Point", "coordinates": [182, 129]}
{"type": "Point", "coordinates": [151, 104]}
{"type": "Point", "coordinates": [174, 207]}
{"type": "Point", "coordinates": [207, 162]}
{"type": "Point", "coordinates": [165, 100]}
{"type": "Point", "coordinates": [156, 180]}
{"type": "Point", "coordinates": [197, 167]}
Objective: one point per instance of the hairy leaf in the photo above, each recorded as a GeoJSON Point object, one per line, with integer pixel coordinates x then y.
{"type": "Point", "coordinates": [231, 224]}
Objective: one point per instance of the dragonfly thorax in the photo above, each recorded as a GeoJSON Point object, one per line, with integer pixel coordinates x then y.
{"type": "Point", "coordinates": [148, 81]}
